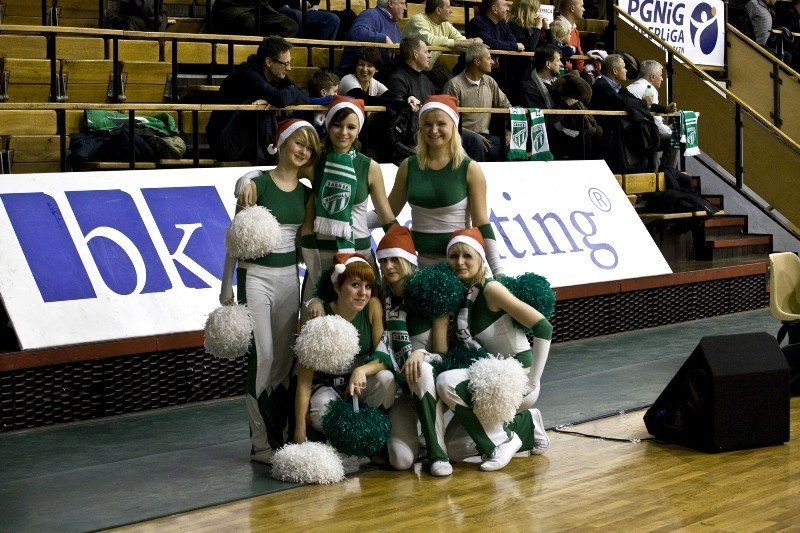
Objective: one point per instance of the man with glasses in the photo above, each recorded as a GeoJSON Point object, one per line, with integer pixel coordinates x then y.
{"type": "Point", "coordinates": [261, 80]}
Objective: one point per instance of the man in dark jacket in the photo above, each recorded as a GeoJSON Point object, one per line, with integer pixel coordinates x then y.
{"type": "Point", "coordinates": [491, 27]}
{"type": "Point", "coordinates": [608, 94]}
{"type": "Point", "coordinates": [260, 80]}
{"type": "Point", "coordinates": [238, 17]}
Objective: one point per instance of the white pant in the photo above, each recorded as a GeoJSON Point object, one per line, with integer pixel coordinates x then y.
{"type": "Point", "coordinates": [380, 393]}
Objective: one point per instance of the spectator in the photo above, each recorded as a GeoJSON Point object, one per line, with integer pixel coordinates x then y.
{"type": "Point", "coordinates": [572, 135]}
{"type": "Point", "coordinates": [434, 27]}
{"type": "Point", "coordinates": [409, 84]}
{"type": "Point", "coordinates": [651, 75]}
{"type": "Point", "coordinates": [535, 91]}
{"type": "Point", "coordinates": [238, 17]}
{"type": "Point", "coordinates": [631, 151]}
{"type": "Point", "coordinates": [374, 25]}
{"type": "Point", "coordinates": [491, 27]}
{"type": "Point", "coordinates": [368, 60]}
{"type": "Point", "coordinates": [527, 26]}
{"type": "Point", "coordinates": [571, 11]}
{"type": "Point", "coordinates": [260, 80]}
{"type": "Point", "coordinates": [475, 88]}
{"type": "Point", "coordinates": [319, 24]}
{"type": "Point", "coordinates": [322, 87]}
{"type": "Point", "coordinates": [761, 18]}
{"type": "Point", "coordinates": [137, 15]}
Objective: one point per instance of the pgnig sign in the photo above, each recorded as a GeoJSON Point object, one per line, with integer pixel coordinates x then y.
{"type": "Point", "coordinates": [694, 28]}
{"type": "Point", "coordinates": [101, 256]}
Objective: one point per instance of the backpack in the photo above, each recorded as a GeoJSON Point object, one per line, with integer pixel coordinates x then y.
{"type": "Point", "coordinates": [679, 196]}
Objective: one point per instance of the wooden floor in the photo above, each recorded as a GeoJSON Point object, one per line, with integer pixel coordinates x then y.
{"type": "Point", "coordinates": [581, 483]}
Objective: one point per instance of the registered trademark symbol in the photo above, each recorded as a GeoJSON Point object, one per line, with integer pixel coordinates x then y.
{"type": "Point", "coordinates": [599, 199]}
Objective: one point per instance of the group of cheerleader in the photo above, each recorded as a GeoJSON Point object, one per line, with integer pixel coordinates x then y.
{"type": "Point", "coordinates": [394, 370]}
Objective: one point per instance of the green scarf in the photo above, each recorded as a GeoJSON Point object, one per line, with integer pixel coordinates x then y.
{"type": "Point", "coordinates": [518, 147]}
{"type": "Point", "coordinates": [540, 148]}
{"type": "Point", "coordinates": [397, 333]}
{"type": "Point", "coordinates": [689, 133]}
{"type": "Point", "coordinates": [464, 319]}
{"type": "Point", "coordinates": [337, 192]}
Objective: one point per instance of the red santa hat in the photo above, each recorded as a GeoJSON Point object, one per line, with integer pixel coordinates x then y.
{"type": "Point", "coordinates": [285, 130]}
{"type": "Point", "coordinates": [397, 243]}
{"type": "Point", "coordinates": [471, 237]}
{"type": "Point", "coordinates": [444, 102]}
{"type": "Point", "coordinates": [340, 262]}
{"type": "Point", "coordinates": [343, 102]}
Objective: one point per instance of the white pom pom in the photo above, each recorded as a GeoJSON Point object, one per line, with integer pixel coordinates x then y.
{"type": "Point", "coordinates": [327, 344]}
{"type": "Point", "coordinates": [309, 462]}
{"type": "Point", "coordinates": [253, 233]}
{"type": "Point", "coordinates": [228, 330]}
{"type": "Point", "coordinates": [272, 149]}
{"type": "Point", "coordinates": [497, 387]}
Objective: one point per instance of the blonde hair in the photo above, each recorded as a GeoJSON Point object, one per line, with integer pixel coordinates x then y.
{"type": "Point", "coordinates": [463, 248]}
{"type": "Point", "coordinates": [456, 151]}
{"type": "Point", "coordinates": [559, 31]}
{"type": "Point", "coordinates": [524, 12]}
{"type": "Point", "coordinates": [308, 135]}
{"type": "Point", "coordinates": [406, 269]}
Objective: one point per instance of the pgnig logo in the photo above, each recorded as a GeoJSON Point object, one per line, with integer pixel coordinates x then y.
{"type": "Point", "coordinates": [704, 27]}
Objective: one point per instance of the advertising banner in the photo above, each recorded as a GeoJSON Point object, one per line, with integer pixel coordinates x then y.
{"type": "Point", "coordinates": [96, 256]}
{"type": "Point", "coordinates": [695, 28]}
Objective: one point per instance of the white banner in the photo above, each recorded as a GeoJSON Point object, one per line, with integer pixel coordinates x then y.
{"type": "Point", "coordinates": [695, 28]}
{"type": "Point", "coordinates": [95, 256]}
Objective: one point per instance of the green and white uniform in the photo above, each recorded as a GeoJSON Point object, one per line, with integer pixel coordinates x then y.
{"type": "Point", "coordinates": [439, 201]}
{"type": "Point", "coordinates": [269, 287]}
{"type": "Point", "coordinates": [495, 332]}
{"type": "Point", "coordinates": [381, 387]}
{"type": "Point", "coordinates": [406, 332]}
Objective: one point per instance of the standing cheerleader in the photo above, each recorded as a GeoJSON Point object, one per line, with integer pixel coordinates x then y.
{"type": "Point", "coordinates": [269, 286]}
{"type": "Point", "coordinates": [486, 321]}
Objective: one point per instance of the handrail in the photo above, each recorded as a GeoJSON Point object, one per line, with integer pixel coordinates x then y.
{"type": "Point", "coordinates": [235, 39]}
{"type": "Point", "coordinates": [703, 75]}
{"type": "Point", "coordinates": [761, 50]}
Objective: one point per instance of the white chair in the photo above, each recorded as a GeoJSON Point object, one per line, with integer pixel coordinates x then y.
{"type": "Point", "coordinates": [784, 295]}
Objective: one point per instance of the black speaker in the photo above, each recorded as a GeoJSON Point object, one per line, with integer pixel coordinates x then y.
{"type": "Point", "coordinates": [732, 393]}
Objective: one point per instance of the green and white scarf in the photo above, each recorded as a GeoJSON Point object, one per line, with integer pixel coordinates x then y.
{"type": "Point", "coordinates": [540, 148]}
{"type": "Point", "coordinates": [518, 146]}
{"type": "Point", "coordinates": [337, 192]}
{"type": "Point", "coordinates": [398, 340]}
{"type": "Point", "coordinates": [689, 133]}
{"type": "Point", "coordinates": [464, 319]}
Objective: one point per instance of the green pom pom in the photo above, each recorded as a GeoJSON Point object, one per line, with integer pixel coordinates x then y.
{"type": "Point", "coordinates": [459, 357]}
{"type": "Point", "coordinates": [434, 291]}
{"type": "Point", "coordinates": [361, 433]}
{"type": "Point", "coordinates": [534, 290]}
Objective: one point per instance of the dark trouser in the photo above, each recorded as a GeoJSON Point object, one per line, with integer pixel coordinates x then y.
{"type": "Point", "coordinates": [245, 137]}
{"type": "Point", "coordinates": [476, 148]}
{"type": "Point", "coordinates": [319, 24]}
{"type": "Point", "coordinates": [272, 23]}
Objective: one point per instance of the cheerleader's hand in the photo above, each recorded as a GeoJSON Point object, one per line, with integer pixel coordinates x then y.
{"type": "Point", "coordinates": [413, 367]}
{"type": "Point", "coordinates": [226, 295]}
{"type": "Point", "coordinates": [241, 188]}
{"type": "Point", "coordinates": [358, 382]}
{"type": "Point", "coordinates": [315, 308]}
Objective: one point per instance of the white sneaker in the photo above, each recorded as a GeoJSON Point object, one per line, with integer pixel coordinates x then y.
{"type": "Point", "coordinates": [540, 440]}
{"type": "Point", "coordinates": [502, 454]}
{"type": "Point", "coordinates": [264, 456]}
{"type": "Point", "coordinates": [441, 468]}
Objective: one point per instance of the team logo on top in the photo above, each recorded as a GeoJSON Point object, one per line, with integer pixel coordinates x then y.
{"type": "Point", "coordinates": [520, 132]}
{"type": "Point", "coordinates": [538, 138]}
{"type": "Point", "coordinates": [335, 196]}
{"type": "Point", "coordinates": [703, 28]}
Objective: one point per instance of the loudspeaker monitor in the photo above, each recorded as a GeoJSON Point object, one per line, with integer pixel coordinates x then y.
{"type": "Point", "coordinates": [732, 393]}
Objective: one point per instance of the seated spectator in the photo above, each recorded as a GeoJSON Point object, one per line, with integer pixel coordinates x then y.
{"type": "Point", "coordinates": [535, 91]}
{"type": "Point", "coordinates": [322, 87]}
{"type": "Point", "coordinates": [572, 135]}
{"type": "Point", "coordinates": [137, 15]}
{"type": "Point", "coordinates": [368, 60]}
{"type": "Point", "coordinates": [319, 24]}
{"type": "Point", "coordinates": [260, 80]}
{"type": "Point", "coordinates": [374, 25]}
{"type": "Point", "coordinates": [491, 27]}
{"type": "Point", "coordinates": [760, 17]}
{"type": "Point", "coordinates": [475, 88]}
{"type": "Point", "coordinates": [238, 17]}
{"type": "Point", "coordinates": [527, 26]}
{"type": "Point", "coordinates": [409, 84]}
{"type": "Point", "coordinates": [571, 11]}
{"type": "Point", "coordinates": [434, 27]}
{"type": "Point", "coordinates": [651, 75]}
{"type": "Point", "coordinates": [559, 36]}
{"type": "Point", "coordinates": [626, 145]}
